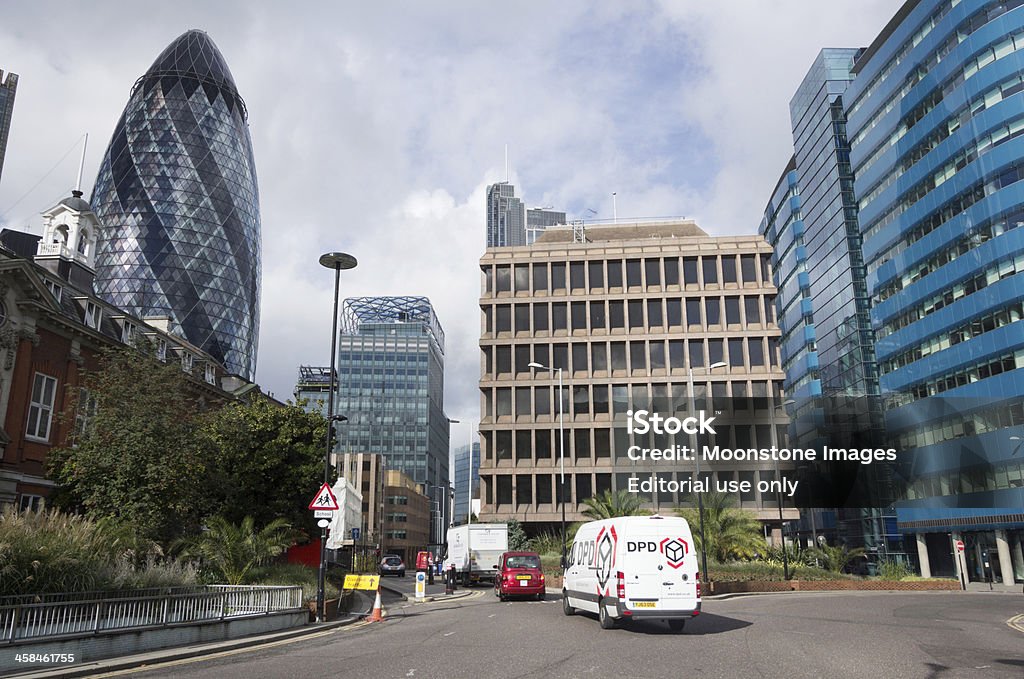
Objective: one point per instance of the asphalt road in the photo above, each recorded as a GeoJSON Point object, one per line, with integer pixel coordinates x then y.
{"type": "Point", "coordinates": [793, 635]}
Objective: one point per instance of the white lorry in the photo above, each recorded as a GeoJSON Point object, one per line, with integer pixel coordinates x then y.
{"type": "Point", "coordinates": [633, 567]}
{"type": "Point", "coordinates": [474, 549]}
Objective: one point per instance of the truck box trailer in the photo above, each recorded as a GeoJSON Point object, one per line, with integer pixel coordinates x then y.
{"type": "Point", "coordinates": [474, 549]}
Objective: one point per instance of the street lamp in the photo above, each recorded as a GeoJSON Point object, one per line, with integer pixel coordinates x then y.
{"type": "Point", "coordinates": [696, 455]}
{"type": "Point", "coordinates": [778, 489]}
{"type": "Point", "coordinates": [561, 448]}
{"type": "Point", "coordinates": [336, 261]}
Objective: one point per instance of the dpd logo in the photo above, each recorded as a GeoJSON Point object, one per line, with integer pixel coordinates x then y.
{"type": "Point", "coordinates": [605, 559]}
{"type": "Point", "coordinates": [675, 551]}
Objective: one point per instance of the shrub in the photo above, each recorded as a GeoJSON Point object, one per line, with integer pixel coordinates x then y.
{"type": "Point", "coordinates": [547, 543]}
{"type": "Point", "coordinates": [294, 574]}
{"type": "Point", "coordinates": [891, 569]}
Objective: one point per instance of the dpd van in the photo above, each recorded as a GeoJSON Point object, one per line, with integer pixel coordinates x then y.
{"type": "Point", "coordinates": [633, 567]}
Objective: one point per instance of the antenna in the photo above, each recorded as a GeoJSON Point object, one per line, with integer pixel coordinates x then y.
{"type": "Point", "coordinates": [81, 165]}
{"type": "Point", "coordinates": [506, 164]}
{"type": "Point", "coordinates": [615, 210]}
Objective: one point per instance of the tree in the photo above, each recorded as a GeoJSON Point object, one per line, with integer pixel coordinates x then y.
{"type": "Point", "coordinates": [233, 550]}
{"type": "Point", "coordinates": [517, 540]}
{"type": "Point", "coordinates": [730, 532]}
{"type": "Point", "coordinates": [836, 558]}
{"type": "Point", "coordinates": [267, 460]}
{"type": "Point", "coordinates": [135, 457]}
{"type": "Point", "coordinates": [608, 505]}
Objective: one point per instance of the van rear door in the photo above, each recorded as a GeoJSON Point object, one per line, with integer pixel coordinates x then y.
{"type": "Point", "coordinates": [660, 573]}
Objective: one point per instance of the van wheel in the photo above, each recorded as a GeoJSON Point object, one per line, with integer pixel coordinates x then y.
{"type": "Point", "coordinates": [566, 608]}
{"type": "Point", "coordinates": [607, 621]}
{"type": "Point", "coordinates": [676, 625]}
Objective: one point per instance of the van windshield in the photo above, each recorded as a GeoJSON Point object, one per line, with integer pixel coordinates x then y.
{"type": "Point", "coordinates": [528, 561]}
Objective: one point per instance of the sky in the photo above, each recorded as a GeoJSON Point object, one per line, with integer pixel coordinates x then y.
{"type": "Point", "coordinates": [376, 128]}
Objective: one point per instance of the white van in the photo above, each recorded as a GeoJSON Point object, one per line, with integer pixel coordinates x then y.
{"type": "Point", "coordinates": [633, 567]}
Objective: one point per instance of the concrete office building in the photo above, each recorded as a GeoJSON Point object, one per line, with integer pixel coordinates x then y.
{"type": "Point", "coordinates": [8, 88]}
{"type": "Point", "coordinates": [391, 387]}
{"type": "Point", "coordinates": [936, 130]}
{"type": "Point", "coordinates": [626, 310]}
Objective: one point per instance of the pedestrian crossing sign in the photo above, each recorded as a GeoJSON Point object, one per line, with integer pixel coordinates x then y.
{"type": "Point", "coordinates": [324, 499]}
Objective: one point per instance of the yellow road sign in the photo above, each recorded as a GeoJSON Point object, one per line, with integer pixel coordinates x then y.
{"type": "Point", "coordinates": [362, 581]}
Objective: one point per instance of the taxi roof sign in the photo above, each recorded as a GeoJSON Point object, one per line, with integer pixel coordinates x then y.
{"type": "Point", "coordinates": [324, 499]}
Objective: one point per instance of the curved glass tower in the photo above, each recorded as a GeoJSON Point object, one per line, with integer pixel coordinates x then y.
{"type": "Point", "coordinates": [177, 197]}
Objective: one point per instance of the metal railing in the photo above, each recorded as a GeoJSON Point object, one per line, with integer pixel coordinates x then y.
{"type": "Point", "coordinates": [68, 614]}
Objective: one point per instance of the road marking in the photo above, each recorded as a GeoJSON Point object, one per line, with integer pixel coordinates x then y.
{"type": "Point", "coordinates": [1016, 622]}
{"type": "Point", "coordinates": [492, 615]}
{"type": "Point", "coordinates": [448, 634]}
{"type": "Point", "coordinates": [410, 673]}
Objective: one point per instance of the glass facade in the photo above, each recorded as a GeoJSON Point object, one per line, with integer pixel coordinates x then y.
{"type": "Point", "coordinates": [935, 120]}
{"type": "Point", "coordinates": [178, 198]}
{"type": "Point", "coordinates": [391, 386]}
{"type": "Point", "coordinates": [510, 223]}
{"type": "Point", "coordinates": [8, 88]}
{"type": "Point", "coordinates": [464, 492]}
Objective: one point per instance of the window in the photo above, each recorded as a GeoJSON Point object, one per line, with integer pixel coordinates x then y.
{"type": "Point", "coordinates": [598, 357]}
{"type": "Point", "coordinates": [503, 318]}
{"type": "Point", "coordinates": [748, 267]}
{"type": "Point", "coordinates": [716, 351]}
{"type": "Point", "coordinates": [636, 313]}
{"type": "Point", "coordinates": [618, 356]}
{"type": "Point", "coordinates": [186, 361]}
{"type": "Point", "coordinates": [540, 277]}
{"type": "Point", "coordinates": [672, 271]}
{"type": "Point", "coordinates": [579, 357]}
{"type": "Point", "coordinates": [652, 267]}
{"type": "Point", "coordinates": [504, 279]}
{"type": "Point", "coordinates": [693, 312]}
{"type": "Point", "coordinates": [542, 401]}
{"type": "Point", "coordinates": [633, 273]}
{"type": "Point", "coordinates": [576, 281]}
{"type": "Point", "coordinates": [616, 314]}
{"type": "Point", "coordinates": [597, 316]}
{"type": "Point", "coordinates": [540, 317]}
{"type": "Point", "coordinates": [596, 271]}
{"type": "Point", "coordinates": [558, 319]}
{"type": "Point", "coordinates": [522, 317]}
{"type": "Point", "coordinates": [560, 356]}
{"type": "Point", "coordinates": [29, 503]}
{"type": "Point", "coordinates": [129, 332]}
{"type": "Point", "coordinates": [756, 350]}
{"type": "Point", "coordinates": [638, 357]}
{"type": "Point", "coordinates": [674, 311]}
{"type": "Point", "coordinates": [728, 269]}
{"type": "Point", "coordinates": [85, 410]}
{"type": "Point", "coordinates": [736, 351]}
{"type": "Point", "coordinates": [92, 315]}
{"type": "Point", "coordinates": [753, 309]}
{"type": "Point", "coordinates": [503, 359]}
{"type": "Point", "coordinates": [522, 358]}
{"type": "Point", "coordinates": [732, 310]}
{"type": "Point", "coordinates": [654, 318]}
{"type": "Point", "coordinates": [696, 353]}
{"type": "Point", "coordinates": [161, 350]}
{"type": "Point", "coordinates": [40, 409]}
{"type": "Point", "coordinates": [615, 273]}
{"type": "Point", "coordinates": [579, 315]}
{"type": "Point", "coordinates": [210, 374]}
{"type": "Point", "coordinates": [690, 271]}
{"type": "Point", "coordinates": [657, 351]}
{"type": "Point", "coordinates": [713, 310]}
{"type": "Point", "coordinates": [710, 266]}
{"type": "Point", "coordinates": [54, 289]}
{"type": "Point", "coordinates": [558, 275]}
{"type": "Point", "coordinates": [503, 401]}
{"type": "Point", "coordinates": [522, 277]}
{"type": "Point", "coordinates": [523, 401]}
{"type": "Point", "coordinates": [676, 358]}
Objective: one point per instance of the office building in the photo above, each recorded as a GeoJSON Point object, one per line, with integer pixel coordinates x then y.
{"type": "Point", "coordinates": [409, 519]}
{"type": "Point", "coordinates": [627, 311]}
{"type": "Point", "coordinates": [177, 195]}
{"type": "Point", "coordinates": [509, 223]}
{"type": "Point", "coordinates": [827, 342]}
{"type": "Point", "coordinates": [935, 119]}
{"type": "Point", "coordinates": [8, 88]}
{"type": "Point", "coordinates": [313, 388]}
{"type": "Point", "coordinates": [467, 481]}
{"type": "Point", "coordinates": [391, 387]}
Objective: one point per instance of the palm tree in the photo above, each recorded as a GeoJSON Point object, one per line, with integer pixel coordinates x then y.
{"type": "Point", "coordinates": [835, 558]}
{"type": "Point", "coordinates": [609, 505]}
{"type": "Point", "coordinates": [730, 532]}
{"type": "Point", "coordinates": [233, 550]}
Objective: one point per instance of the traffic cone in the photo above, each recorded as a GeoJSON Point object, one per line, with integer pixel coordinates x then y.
{"type": "Point", "coordinates": [378, 614]}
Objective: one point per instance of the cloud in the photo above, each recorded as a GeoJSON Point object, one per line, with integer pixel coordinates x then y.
{"type": "Point", "coordinates": [376, 128]}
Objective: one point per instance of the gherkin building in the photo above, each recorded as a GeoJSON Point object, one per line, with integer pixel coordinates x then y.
{"type": "Point", "coordinates": [178, 202]}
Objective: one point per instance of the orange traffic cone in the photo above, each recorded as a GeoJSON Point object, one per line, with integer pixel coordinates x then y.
{"type": "Point", "coordinates": [378, 614]}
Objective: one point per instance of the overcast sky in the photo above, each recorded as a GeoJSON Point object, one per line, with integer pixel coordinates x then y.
{"type": "Point", "coordinates": [377, 126]}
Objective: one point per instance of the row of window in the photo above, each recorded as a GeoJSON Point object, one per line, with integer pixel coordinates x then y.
{"type": "Point", "coordinates": [617, 274]}
{"type": "Point", "coordinates": [634, 357]}
{"type": "Point", "coordinates": [521, 490]}
{"type": "Point", "coordinates": [633, 314]}
{"type": "Point", "coordinates": [950, 428]}
{"type": "Point", "coordinates": [969, 480]}
{"type": "Point", "coordinates": [976, 372]}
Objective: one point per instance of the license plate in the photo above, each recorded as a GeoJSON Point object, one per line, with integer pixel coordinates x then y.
{"type": "Point", "coordinates": [644, 604]}
{"type": "Point", "coordinates": [521, 578]}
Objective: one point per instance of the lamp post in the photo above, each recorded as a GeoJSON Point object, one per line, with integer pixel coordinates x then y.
{"type": "Point", "coordinates": [778, 489]}
{"type": "Point", "coordinates": [561, 449]}
{"type": "Point", "coordinates": [336, 261]}
{"type": "Point", "coordinates": [696, 456]}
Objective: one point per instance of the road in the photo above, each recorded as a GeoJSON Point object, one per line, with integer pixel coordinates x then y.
{"type": "Point", "coordinates": [793, 635]}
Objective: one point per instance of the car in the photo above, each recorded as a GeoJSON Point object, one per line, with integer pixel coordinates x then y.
{"type": "Point", "coordinates": [392, 564]}
{"type": "Point", "coordinates": [519, 575]}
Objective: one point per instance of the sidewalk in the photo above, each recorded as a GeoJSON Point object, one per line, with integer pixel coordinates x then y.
{"type": "Point", "coordinates": [406, 589]}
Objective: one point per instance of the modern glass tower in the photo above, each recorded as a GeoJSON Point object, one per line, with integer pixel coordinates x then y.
{"type": "Point", "coordinates": [467, 480]}
{"type": "Point", "coordinates": [8, 88]}
{"type": "Point", "coordinates": [177, 196]}
{"type": "Point", "coordinates": [936, 124]}
{"type": "Point", "coordinates": [391, 387]}
{"type": "Point", "coordinates": [510, 223]}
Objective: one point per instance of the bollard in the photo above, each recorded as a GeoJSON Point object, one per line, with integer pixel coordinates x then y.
{"type": "Point", "coordinates": [449, 581]}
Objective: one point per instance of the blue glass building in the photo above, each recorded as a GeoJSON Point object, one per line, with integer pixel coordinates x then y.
{"type": "Point", "coordinates": [467, 480]}
{"type": "Point", "coordinates": [179, 204]}
{"type": "Point", "coordinates": [391, 388]}
{"type": "Point", "coordinates": [935, 118]}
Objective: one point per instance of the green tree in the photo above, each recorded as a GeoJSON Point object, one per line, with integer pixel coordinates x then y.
{"type": "Point", "coordinates": [517, 540]}
{"type": "Point", "coordinates": [730, 532]}
{"type": "Point", "coordinates": [135, 457]}
{"type": "Point", "coordinates": [232, 550]}
{"type": "Point", "coordinates": [608, 505]}
{"type": "Point", "coordinates": [836, 557]}
{"type": "Point", "coordinates": [268, 460]}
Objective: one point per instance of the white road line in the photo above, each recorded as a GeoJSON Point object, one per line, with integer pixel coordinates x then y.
{"type": "Point", "coordinates": [448, 634]}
